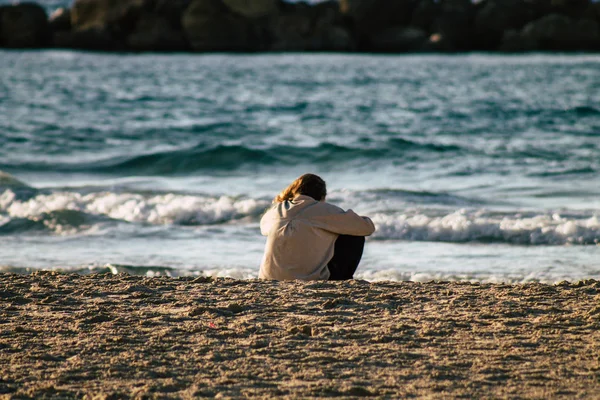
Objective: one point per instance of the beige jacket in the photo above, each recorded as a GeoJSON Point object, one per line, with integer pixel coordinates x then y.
{"type": "Point", "coordinates": [301, 236]}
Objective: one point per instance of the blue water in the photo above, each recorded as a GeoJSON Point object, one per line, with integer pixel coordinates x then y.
{"type": "Point", "coordinates": [476, 167]}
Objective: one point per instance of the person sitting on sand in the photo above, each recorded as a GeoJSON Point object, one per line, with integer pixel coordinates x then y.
{"type": "Point", "coordinates": [309, 239]}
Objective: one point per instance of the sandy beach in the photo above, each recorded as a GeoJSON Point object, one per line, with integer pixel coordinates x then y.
{"type": "Point", "coordinates": [114, 336]}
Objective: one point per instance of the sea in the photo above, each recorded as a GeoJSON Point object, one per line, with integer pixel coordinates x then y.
{"type": "Point", "coordinates": [474, 167]}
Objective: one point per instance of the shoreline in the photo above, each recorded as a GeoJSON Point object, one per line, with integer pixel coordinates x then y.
{"type": "Point", "coordinates": [251, 274]}
{"type": "Point", "coordinates": [67, 336]}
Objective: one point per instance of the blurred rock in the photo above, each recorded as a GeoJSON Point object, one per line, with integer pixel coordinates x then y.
{"type": "Point", "coordinates": [276, 25]}
{"type": "Point", "coordinates": [334, 38]}
{"type": "Point", "coordinates": [572, 8]}
{"type": "Point", "coordinates": [101, 24]}
{"type": "Point", "coordinates": [425, 14]}
{"type": "Point", "coordinates": [171, 10]}
{"type": "Point", "coordinates": [555, 32]}
{"type": "Point", "coordinates": [60, 20]}
{"type": "Point", "coordinates": [90, 39]}
{"type": "Point", "coordinates": [155, 33]}
{"type": "Point", "coordinates": [369, 16]}
{"type": "Point", "coordinates": [513, 42]}
{"type": "Point", "coordinates": [253, 8]}
{"type": "Point", "coordinates": [291, 29]}
{"type": "Point", "coordinates": [330, 29]}
{"type": "Point", "coordinates": [210, 26]}
{"type": "Point", "coordinates": [592, 12]}
{"type": "Point", "coordinates": [24, 26]}
{"type": "Point", "coordinates": [454, 25]}
{"type": "Point", "coordinates": [301, 27]}
{"type": "Point", "coordinates": [399, 39]}
{"type": "Point", "coordinates": [498, 16]}
{"type": "Point", "coordinates": [115, 16]}
{"type": "Point", "coordinates": [558, 32]}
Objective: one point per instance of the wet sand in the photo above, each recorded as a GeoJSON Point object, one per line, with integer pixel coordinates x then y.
{"type": "Point", "coordinates": [114, 336]}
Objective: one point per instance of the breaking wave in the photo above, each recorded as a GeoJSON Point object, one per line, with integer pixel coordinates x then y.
{"type": "Point", "coordinates": [480, 226]}
{"type": "Point", "coordinates": [401, 215]}
{"type": "Point", "coordinates": [68, 212]}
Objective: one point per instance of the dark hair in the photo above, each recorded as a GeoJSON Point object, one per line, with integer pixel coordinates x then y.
{"type": "Point", "coordinates": [308, 185]}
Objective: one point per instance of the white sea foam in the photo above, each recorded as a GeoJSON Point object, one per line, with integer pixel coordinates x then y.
{"type": "Point", "coordinates": [133, 207]}
{"type": "Point", "coordinates": [468, 226]}
{"type": "Point", "coordinates": [58, 212]}
{"type": "Point", "coordinates": [423, 277]}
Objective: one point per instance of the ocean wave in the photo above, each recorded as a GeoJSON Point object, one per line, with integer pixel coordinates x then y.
{"type": "Point", "coordinates": [20, 190]}
{"type": "Point", "coordinates": [565, 172]}
{"type": "Point", "coordinates": [398, 215]}
{"type": "Point", "coordinates": [452, 156]}
{"type": "Point", "coordinates": [68, 212]}
{"type": "Point", "coordinates": [405, 144]}
{"type": "Point", "coordinates": [585, 111]}
{"type": "Point", "coordinates": [228, 157]}
{"type": "Point", "coordinates": [411, 197]}
{"type": "Point", "coordinates": [62, 222]}
{"type": "Point", "coordinates": [9, 181]}
{"type": "Point", "coordinates": [478, 226]}
{"type": "Point", "coordinates": [185, 161]}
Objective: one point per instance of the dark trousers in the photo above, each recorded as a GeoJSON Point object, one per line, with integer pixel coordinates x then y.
{"type": "Point", "coordinates": [347, 254]}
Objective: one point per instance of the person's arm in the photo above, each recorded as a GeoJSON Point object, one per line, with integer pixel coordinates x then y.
{"type": "Point", "coordinates": [343, 222]}
{"type": "Point", "coordinates": [266, 222]}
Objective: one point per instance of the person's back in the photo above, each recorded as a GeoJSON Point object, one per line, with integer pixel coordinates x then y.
{"type": "Point", "coordinates": [303, 235]}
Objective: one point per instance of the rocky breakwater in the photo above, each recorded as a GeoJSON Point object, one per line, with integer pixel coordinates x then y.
{"type": "Point", "coordinates": [393, 26]}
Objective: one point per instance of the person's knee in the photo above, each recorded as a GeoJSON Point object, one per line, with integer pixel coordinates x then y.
{"type": "Point", "coordinates": [352, 238]}
{"type": "Point", "coordinates": [360, 239]}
